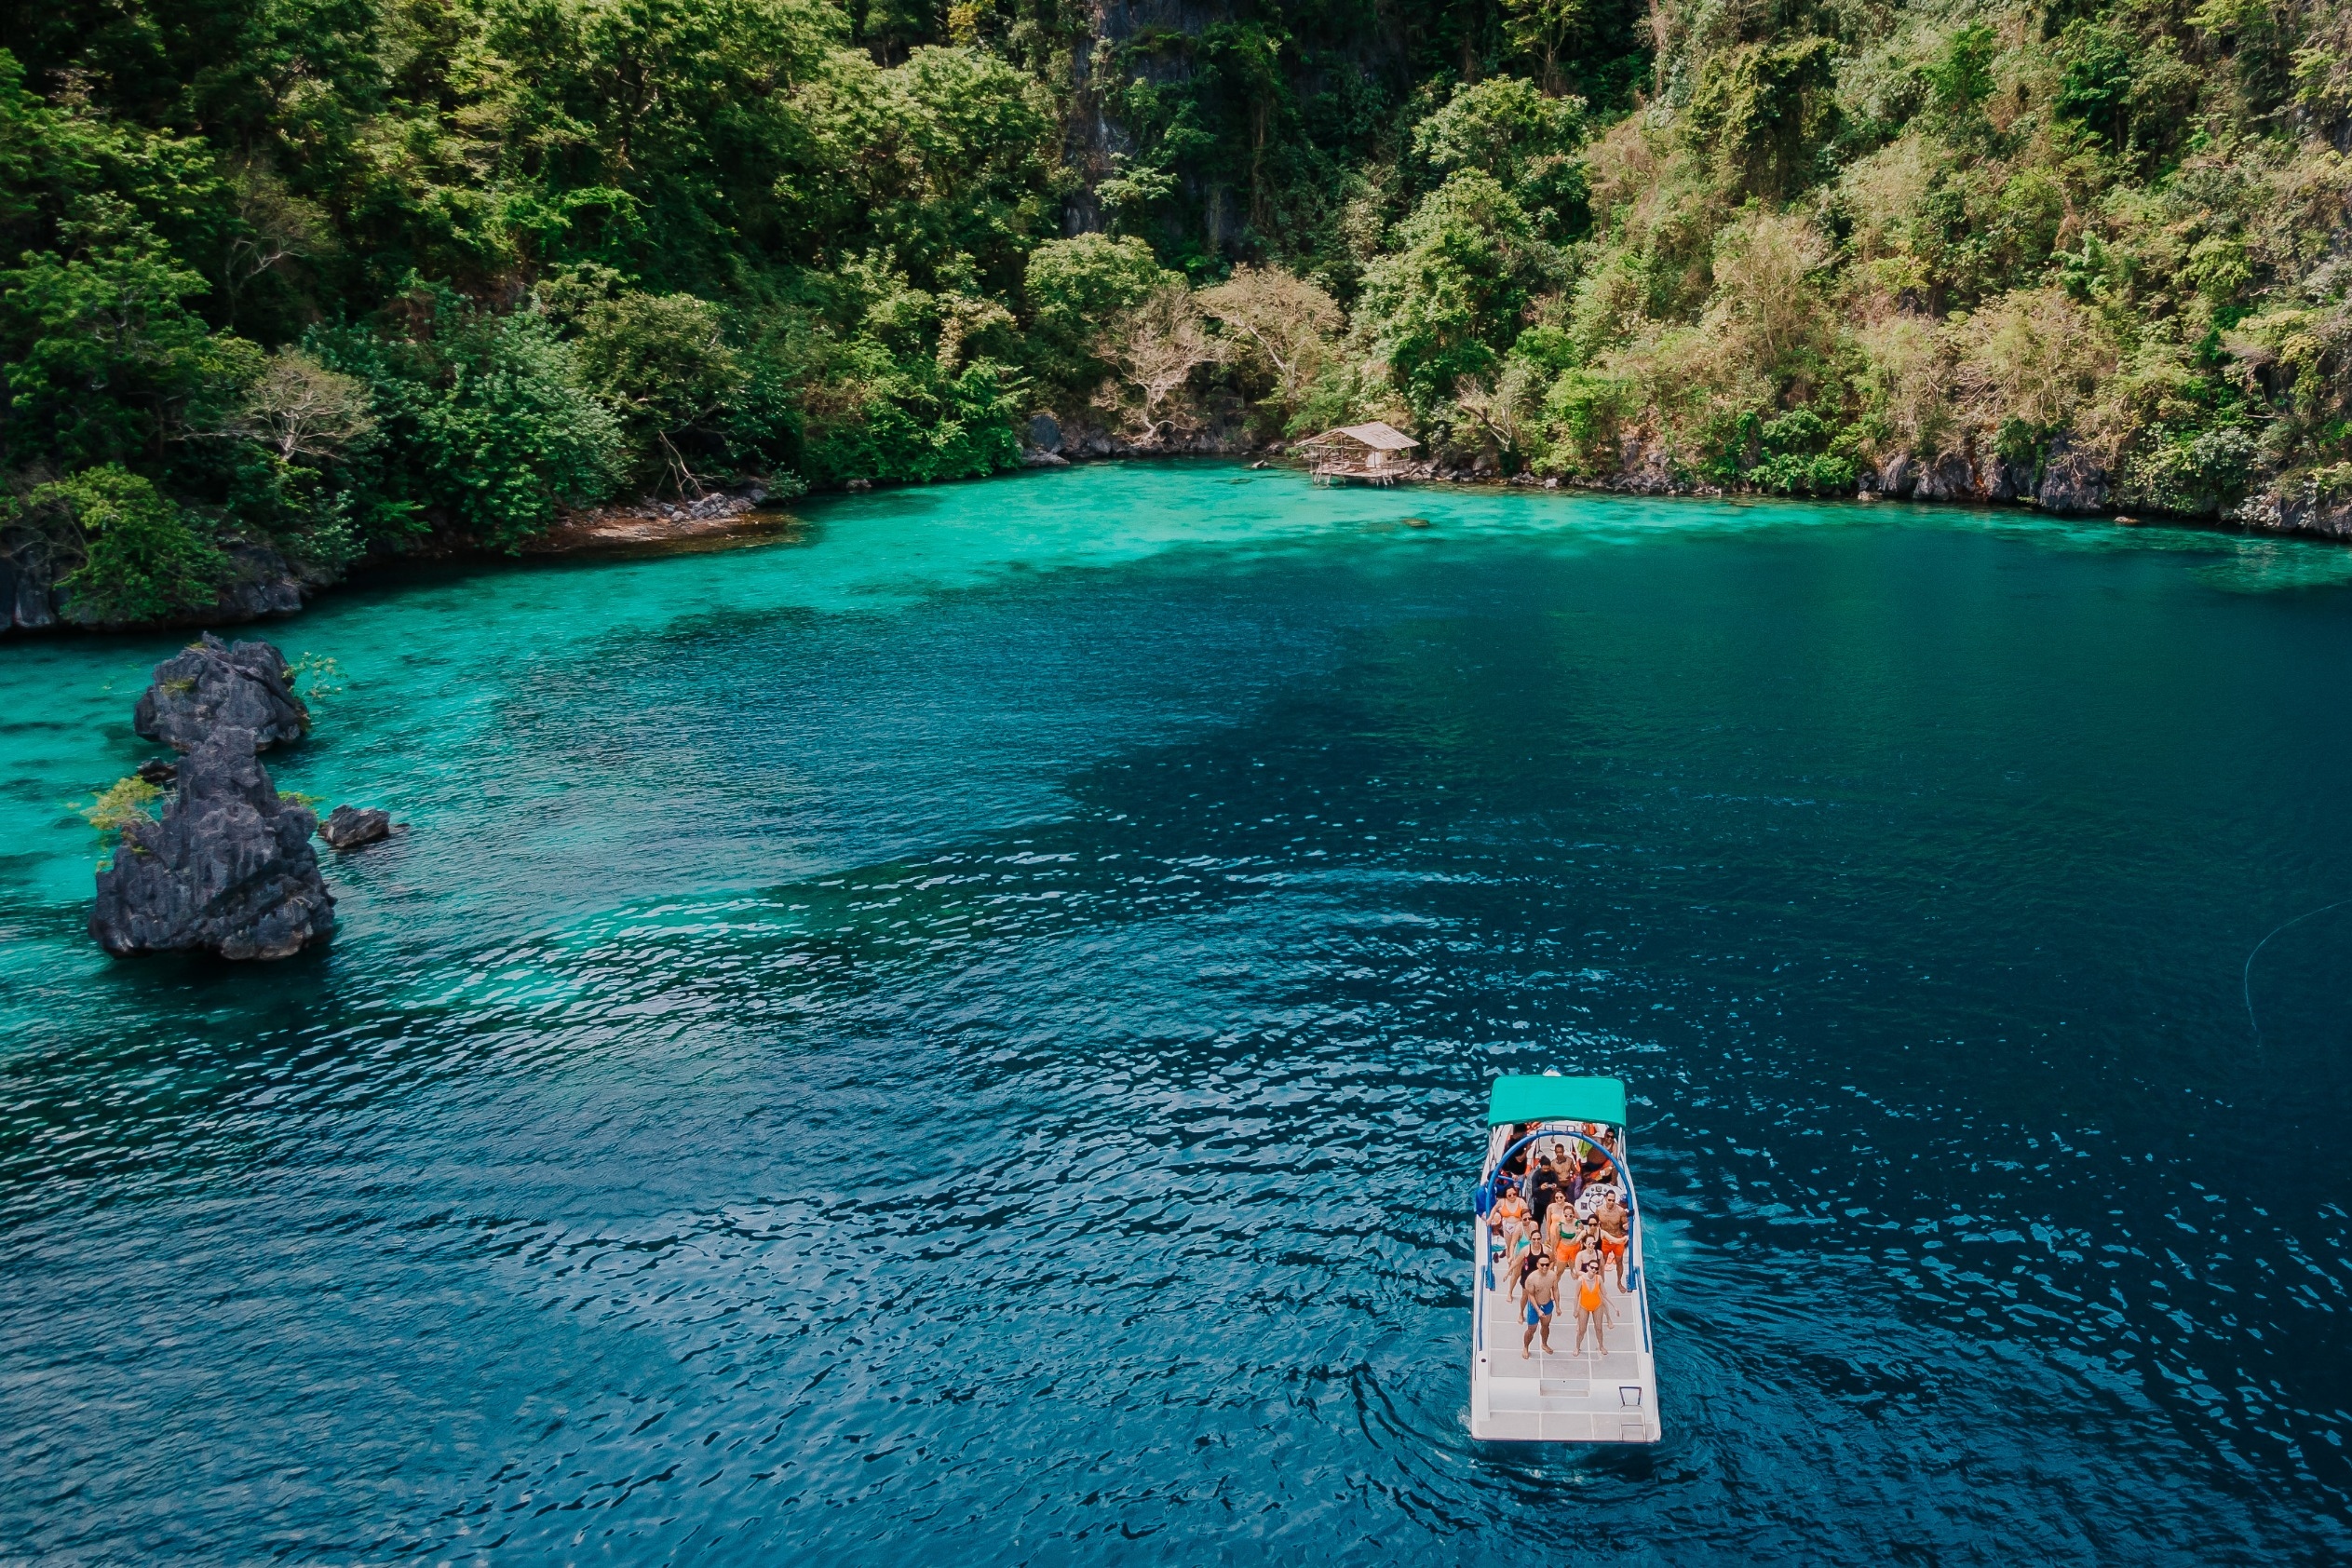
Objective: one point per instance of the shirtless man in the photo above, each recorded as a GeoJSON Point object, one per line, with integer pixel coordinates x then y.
{"type": "Point", "coordinates": [1542, 1292]}
{"type": "Point", "coordinates": [1612, 1217]}
{"type": "Point", "coordinates": [1567, 1169]}
{"type": "Point", "coordinates": [1592, 1306]}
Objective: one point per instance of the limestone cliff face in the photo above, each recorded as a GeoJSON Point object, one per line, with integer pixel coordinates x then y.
{"type": "Point", "coordinates": [2327, 518]}
{"type": "Point", "coordinates": [1093, 136]}
{"type": "Point", "coordinates": [2074, 481]}
{"type": "Point", "coordinates": [1949, 476]}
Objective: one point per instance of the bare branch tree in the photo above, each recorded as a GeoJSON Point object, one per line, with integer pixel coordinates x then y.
{"type": "Point", "coordinates": [1503, 413]}
{"type": "Point", "coordinates": [1282, 322]}
{"type": "Point", "coordinates": [275, 227]}
{"type": "Point", "coordinates": [300, 409]}
{"type": "Point", "coordinates": [1155, 347]}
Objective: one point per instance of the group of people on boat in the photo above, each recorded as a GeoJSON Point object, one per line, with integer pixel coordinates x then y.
{"type": "Point", "coordinates": [1560, 1227]}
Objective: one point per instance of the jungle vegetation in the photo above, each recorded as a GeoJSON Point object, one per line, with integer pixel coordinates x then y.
{"type": "Point", "coordinates": [342, 276]}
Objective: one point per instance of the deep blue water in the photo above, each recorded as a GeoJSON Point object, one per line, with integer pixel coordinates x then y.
{"type": "Point", "coordinates": [963, 1032]}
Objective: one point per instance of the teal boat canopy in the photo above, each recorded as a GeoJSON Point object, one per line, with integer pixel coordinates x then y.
{"type": "Point", "coordinates": [1526, 1097]}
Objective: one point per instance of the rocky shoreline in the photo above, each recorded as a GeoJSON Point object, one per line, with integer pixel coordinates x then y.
{"type": "Point", "coordinates": [733, 514]}
{"type": "Point", "coordinates": [2069, 482]}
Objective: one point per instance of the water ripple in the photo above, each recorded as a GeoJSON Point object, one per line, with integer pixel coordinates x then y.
{"type": "Point", "coordinates": [846, 1062]}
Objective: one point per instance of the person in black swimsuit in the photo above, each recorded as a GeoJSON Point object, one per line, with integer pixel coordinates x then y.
{"type": "Point", "coordinates": [1527, 1265]}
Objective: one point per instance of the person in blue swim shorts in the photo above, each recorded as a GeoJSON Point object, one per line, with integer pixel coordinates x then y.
{"type": "Point", "coordinates": [1543, 1293]}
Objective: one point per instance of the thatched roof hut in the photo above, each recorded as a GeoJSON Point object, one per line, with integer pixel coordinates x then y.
{"type": "Point", "coordinates": [1368, 438]}
{"type": "Point", "coordinates": [1358, 449]}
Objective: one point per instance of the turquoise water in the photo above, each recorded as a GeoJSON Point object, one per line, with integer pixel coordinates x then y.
{"type": "Point", "coordinates": [966, 1024]}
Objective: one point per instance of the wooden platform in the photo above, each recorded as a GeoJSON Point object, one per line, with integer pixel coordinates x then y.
{"type": "Point", "coordinates": [1340, 473]}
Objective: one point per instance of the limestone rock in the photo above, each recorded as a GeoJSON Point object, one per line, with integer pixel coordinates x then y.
{"type": "Point", "coordinates": [25, 589]}
{"type": "Point", "coordinates": [210, 686]}
{"type": "Point", "coordinates": [2297, 512]}
{"type": "Point", "coordinates": [260, 583]}
{"type": "Point", "coordinates": [348, 827]}
{"type": "Point", "coordinates": [1644, 469]}
{"type": "Point", "coordinates": [1946, 478]}
{"type": "Point", "coordinates": [1045, 432]}
{"type": "Point", "coordinates": [229, 869]}
{"type": "Point", "coordinates": [1898, 476]}
{"type": "Point", "coordinates": [2073, 481]}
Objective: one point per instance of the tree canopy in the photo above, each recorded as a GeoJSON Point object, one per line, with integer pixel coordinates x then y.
{"type": "Point", "coordinates": [332, 277]}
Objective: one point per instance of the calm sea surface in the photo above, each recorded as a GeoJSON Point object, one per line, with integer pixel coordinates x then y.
{"type": "Point", "coordinates": [964, 1030]}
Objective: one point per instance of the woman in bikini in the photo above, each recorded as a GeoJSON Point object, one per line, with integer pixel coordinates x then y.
{"type": "Point", "coordinates": [1527, 1265]}
{"type": "Point", "coordinates": [1512, 1224]}
{"type": "Point", "coordinates": [1511, 1217]}
{"type": "Point", "coordinates": [1564, 1230]}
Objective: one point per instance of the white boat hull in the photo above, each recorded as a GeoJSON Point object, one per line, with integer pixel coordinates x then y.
{"type": "Point", "coordinates": [1605, 1395]}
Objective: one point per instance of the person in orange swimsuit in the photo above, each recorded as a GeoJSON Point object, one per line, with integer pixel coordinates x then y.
{"type": "Point", "coordinates": [1592, 1306]}
{"type": "Point", "coordinates": [1513, 1228]}
{"type": "Point", "coordinates": [1510, 1213]}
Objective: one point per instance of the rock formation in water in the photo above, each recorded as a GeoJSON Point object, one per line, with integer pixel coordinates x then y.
{"type": "Point", "coordinates": [210, 686]}
{"type": "Point", "coordinates": [229, 869]}
{"type": "Point", "coordinates": [348, 827]}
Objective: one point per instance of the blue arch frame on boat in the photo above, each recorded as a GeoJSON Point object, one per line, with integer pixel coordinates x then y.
{"type": "Point", "coordinates": [1482, 1200]}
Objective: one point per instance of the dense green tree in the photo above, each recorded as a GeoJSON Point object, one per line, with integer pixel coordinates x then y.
{"type": "Point", "coordinates": [108, 362]}
{"type": "Point", "coordinates": [1450, 300]}
{"type": "Point", "coordinates": [140, 557]}
{"type": "Point", "coordinates": [487, 428]}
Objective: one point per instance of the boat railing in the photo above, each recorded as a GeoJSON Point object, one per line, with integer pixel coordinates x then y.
{"type": "Point", "coordinates": [1482, 1200]}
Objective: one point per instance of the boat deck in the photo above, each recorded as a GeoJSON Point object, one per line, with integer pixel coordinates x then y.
{"type": "Point", "coordinates": [1564, 1398]}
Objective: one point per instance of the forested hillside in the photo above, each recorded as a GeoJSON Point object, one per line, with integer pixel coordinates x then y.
{"type": "Point", "coordinates": [323, 280]}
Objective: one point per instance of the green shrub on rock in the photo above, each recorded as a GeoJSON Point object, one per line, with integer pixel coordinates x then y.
{"type": "Point", "coordinates": [140, 557]}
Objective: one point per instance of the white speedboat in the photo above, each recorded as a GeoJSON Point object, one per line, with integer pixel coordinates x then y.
{"type": "Point", "coordinates": [1606, 1391]}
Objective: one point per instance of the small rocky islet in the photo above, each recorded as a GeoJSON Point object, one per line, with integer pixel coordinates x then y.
{"type": "Point", "coordinates": [227, 869]}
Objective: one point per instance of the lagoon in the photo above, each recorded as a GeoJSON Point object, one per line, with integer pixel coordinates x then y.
{"type": "Point", "coordinates": [967, 1022]}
